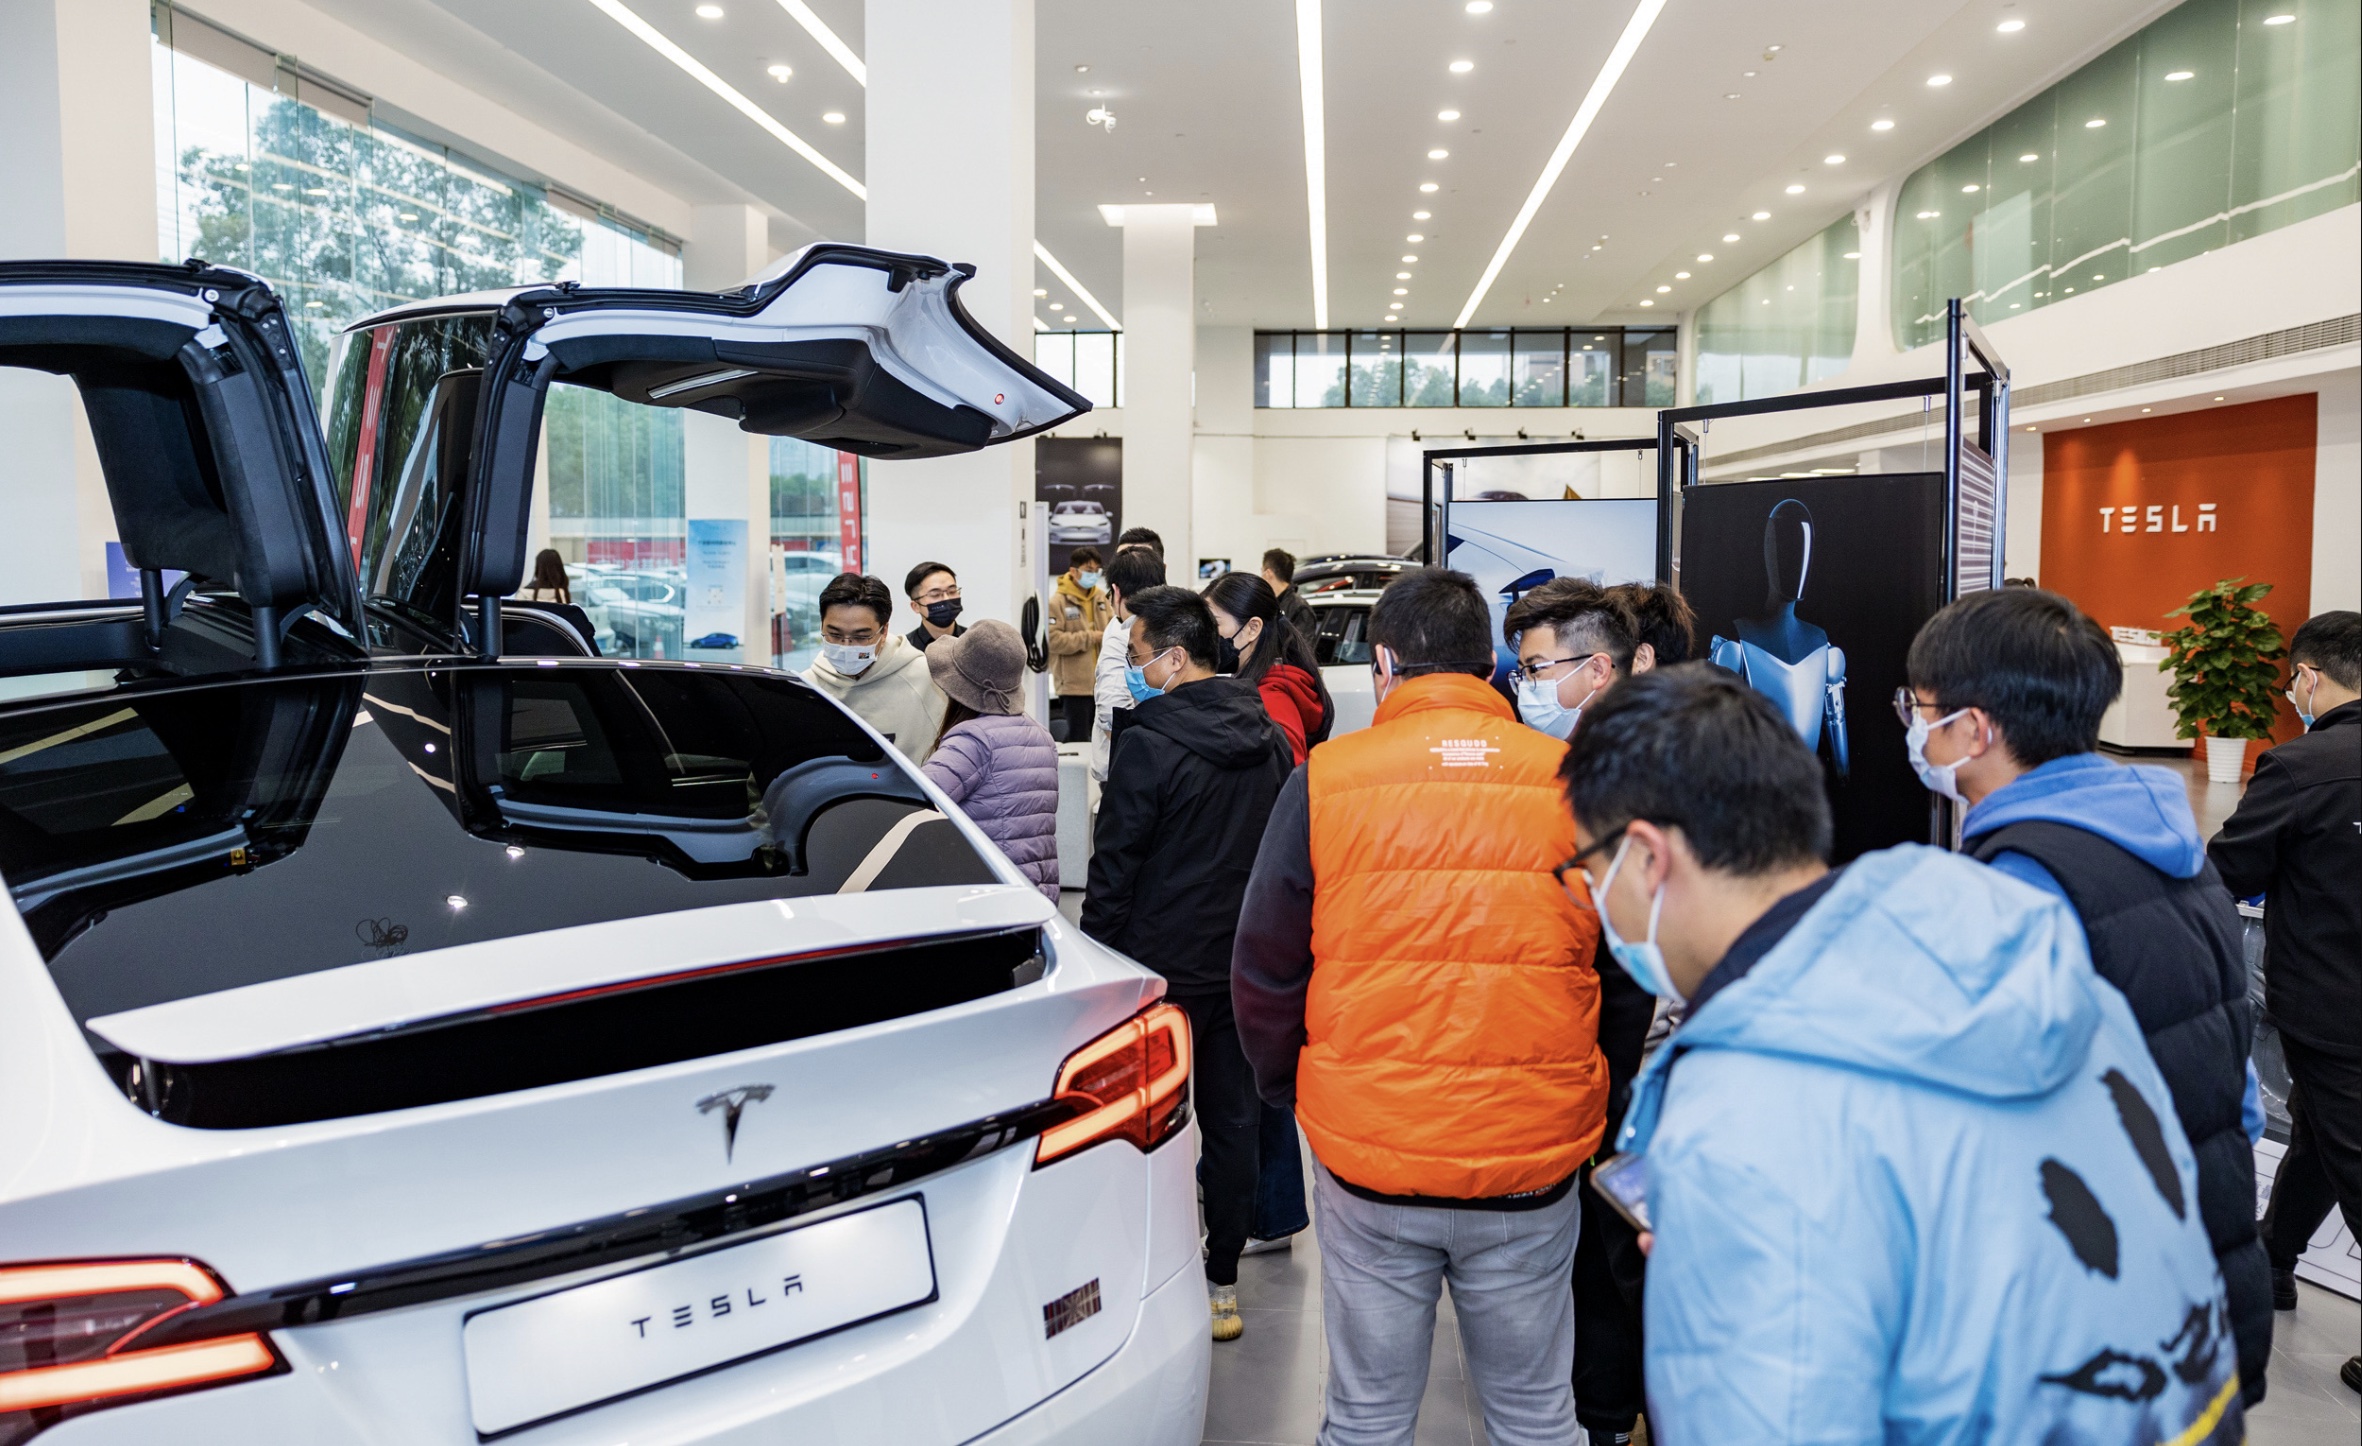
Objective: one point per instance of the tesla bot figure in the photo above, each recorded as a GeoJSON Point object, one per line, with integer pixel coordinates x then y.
{"type": "Point", "coordinates": [1788, 660]}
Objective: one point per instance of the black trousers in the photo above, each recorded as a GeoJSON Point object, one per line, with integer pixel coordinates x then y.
{"type": "Point", "coordinates": [1609, 1274]}
{"type": "Point", "coordinates": [1229, 1124]}
{"type": "Point", "coordinates": [1074, 717]}
{"type": "Point", "coordinates": [2323, 1165]}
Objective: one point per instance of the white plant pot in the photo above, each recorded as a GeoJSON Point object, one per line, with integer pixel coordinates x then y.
{"type": "Point", "coordinates": [2223, 759]}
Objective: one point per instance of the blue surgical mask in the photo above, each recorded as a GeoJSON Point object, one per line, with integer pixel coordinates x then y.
{"type": "Point", "coordinates": [1136, 679]}
{"type": "Point", "coordinates": [1936, 777]}
{"type": "Point", "coordinates": [2302, 715]}
{"type": "Point", "coordinates": [1089, 580]}
{"type": "Point", "coordinates": [1644, 961]}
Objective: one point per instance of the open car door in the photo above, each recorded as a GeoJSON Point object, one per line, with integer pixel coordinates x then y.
{"type": "Point", "coordinates": [436, 409]}
{"type": "Point", "coordinates": [188, 381]}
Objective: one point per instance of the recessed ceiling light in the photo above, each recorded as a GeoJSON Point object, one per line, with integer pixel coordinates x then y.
{"type": "Point", "coordinates": [1057, 306]}
{"type": "Point", "coordinates": [1429, 186]}
{"type": "Point", "coordinates": [1681, 276]}
{"type": "Point", "coordinates": [1970, 189]}
{"type": "Point", "coordinates": [2219, 398]}
{"type": "Point", "coordinates": [1730, 95]}
{"type": "Point", "coordinates": [2095, 123]}
{"type": "Point", "coordinates": [1447, 115]}
{"type": "Point", "coordinates": [1832, 160]}
{"type": "Point", "coordinates": [1663, 289]}
{"type": "Point", "coordinates": [1771, 50]}
{"type": "Point", "coordinates": [1929, 215]}
{"type": "Point", "coordinates": [1437, 154]}
{"type": "Point", "coordinates": [1461, 67]}
{"type": "Point", "coordinates": [2010, 27]}
{"type": "Point", "coordinates": [1853, 255]}
{"type": "Point", "coordinates": [1646, 302]}
{"type": "Point", "coordinates": [1402, 291]}
{"type": "Point", "coordinates": [1882, 124]}
{"type": "Point", "coordinates": [834, 117]}
{"type": "Point", "coordinates": [2030, 156]}
{"type": "Point", "coordinates": [1796, 190]}
{"type": "Point", "coordinates": [1705, 256]}
{"type": "Point", "coordinates": [1414, 238]}
{"type": "Point", "coordinates": [2274, 20]}
{"type": "Point", "coordinates": [780, 73]}
{"type": "Point", "coordinates": [2179, 74]}
{"type": "Point", "coordinates": [1082, 70]}
{"type": "Point", "coordinates": [1939, 80]}
{"type": "Point", "coordinates": [1421, 215]}
{"type": "Point", "coordinates": [1597, 247]}
{"type": "Point", "coordinates": [1480, 7]}
{"type": "Point", "coordinates": [458, 901]}
{"type": "Point", "coordinates": [1394, 306]}
{"type": "Point", "coordinates": [1038, 291]}
{"type": "Point", "coordinates": [1402, 276]}
{"type": "Point", "coordinates": [1746, 75]}
{"type": "Point", "coordinates": [709, 12]}
{"type": "Point", "coordinates": [1409, 258]}
{"type": "Point", "coordinates": [2145, 409]}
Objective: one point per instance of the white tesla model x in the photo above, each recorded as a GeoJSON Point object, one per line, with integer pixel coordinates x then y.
{"type": "Point", "coordinates": [415, 1029]}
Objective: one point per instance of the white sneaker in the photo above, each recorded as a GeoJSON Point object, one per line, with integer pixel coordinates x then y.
{"type": "Point", "coordinates": [1266, 1247]}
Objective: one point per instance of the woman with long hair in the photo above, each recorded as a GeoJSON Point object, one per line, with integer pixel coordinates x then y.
{"type": "Point", "coordinates": [549, 579]}
{"type": "Point", "coordinates": [1261, 646]}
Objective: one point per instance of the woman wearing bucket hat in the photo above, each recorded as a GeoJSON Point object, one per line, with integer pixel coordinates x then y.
{"type": "Point", "coordinates": [997, 764]}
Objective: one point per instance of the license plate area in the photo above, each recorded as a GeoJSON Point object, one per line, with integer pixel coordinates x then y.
{"type": "Point", "coordinates": [572, 1349]}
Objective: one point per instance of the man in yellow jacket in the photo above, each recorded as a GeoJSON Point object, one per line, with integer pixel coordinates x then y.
{"type": "Point", "coordinates": [1410, 975]}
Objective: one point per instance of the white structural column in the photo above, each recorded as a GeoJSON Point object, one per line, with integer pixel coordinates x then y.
{"type": "Point", "coordinates": [726, 473]}
{"type": "Point", "coordinates": [950, 174]}
{"type": "Point", "coordinates": [77, 178]}
{"type": "Point", "coordinates": [1160, 359]}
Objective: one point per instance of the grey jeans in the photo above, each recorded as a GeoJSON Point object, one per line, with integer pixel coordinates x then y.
{"type": "Point", "coordinates": [1382, 1267]}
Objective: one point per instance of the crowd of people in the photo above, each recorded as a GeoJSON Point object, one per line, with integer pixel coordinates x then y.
{"type": "Point", "coordinates": [1559, 983]}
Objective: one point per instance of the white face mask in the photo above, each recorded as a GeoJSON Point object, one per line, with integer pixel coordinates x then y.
{"type": "Point", "coordinates": [1937, 777]}
{"type": "Point", "coordinates": [1644, 961]}
{"type": "Point", "coordinates": [849, 660]}
{"type": "Point", "coordinates": [1538, 705]}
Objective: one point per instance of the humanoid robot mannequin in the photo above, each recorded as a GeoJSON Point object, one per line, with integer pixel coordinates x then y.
{"type": "Point", "coordinates": [1788, 660]}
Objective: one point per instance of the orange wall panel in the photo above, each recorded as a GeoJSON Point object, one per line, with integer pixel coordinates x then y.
{"type": "Point", "coordinates": [2138, 515]}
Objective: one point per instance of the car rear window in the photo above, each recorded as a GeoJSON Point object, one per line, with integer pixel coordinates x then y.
{"type": "Point", "coordinates": [196, 839]}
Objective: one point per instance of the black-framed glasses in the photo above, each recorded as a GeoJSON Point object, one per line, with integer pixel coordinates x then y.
{"type": "Point", "coordinates": [1534, 669]}
{"type": "Point", "coordinates": [1577, 864]}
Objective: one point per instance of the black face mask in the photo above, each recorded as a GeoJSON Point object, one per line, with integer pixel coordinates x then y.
{"type": "Point", "coordinates": [943, 614]}
{"type": "Point", "coordinates": [1225, 655]}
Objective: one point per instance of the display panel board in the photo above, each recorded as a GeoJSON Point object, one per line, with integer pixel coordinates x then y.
{"type": "Point", "coordinates": [1511, 548]}
{"type": "Point", "coordinates": [1812, 589]}
{"type": "Point", "coordinates": [1078, 485]}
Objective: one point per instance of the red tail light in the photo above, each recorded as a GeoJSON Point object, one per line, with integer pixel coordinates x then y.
{"type": "Point", "coordinates": [69, 1339]}
{"type": "Point", "coordinates": [1131, 1081]}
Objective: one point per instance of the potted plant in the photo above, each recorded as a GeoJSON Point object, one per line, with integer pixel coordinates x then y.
{"type": "Point", "coordinates": [2226, 675]}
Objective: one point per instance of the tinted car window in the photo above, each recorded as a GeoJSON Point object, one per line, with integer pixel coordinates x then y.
{"type": "Point", "coordinates": [204, 838]}
{"type": "Point", "coordinates": [1343, 636]}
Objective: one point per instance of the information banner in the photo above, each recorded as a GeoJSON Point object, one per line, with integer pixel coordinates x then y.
{"type": "Point", "coordinates": [849, 512]}
{"type": "Point", "coordinates": [717, 588]}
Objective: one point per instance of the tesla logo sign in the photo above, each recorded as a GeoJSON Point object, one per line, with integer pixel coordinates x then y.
{"type": "Point", "coordinates": [732, 1103]}
{"type": "Point", "coordinates": [2154, 518]}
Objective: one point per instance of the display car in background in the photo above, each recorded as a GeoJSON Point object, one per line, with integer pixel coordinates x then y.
{"type": "Point", "coordinates": [1344, 571]}
{"type": "Point", "coordinates": [637, 614]}
{"type": "Point", "coordinates": [1074, 523]}
{"type": "Point", "coordinates": [1341, 644]}
{"type": "Point", "coordinates": [414, 1030]}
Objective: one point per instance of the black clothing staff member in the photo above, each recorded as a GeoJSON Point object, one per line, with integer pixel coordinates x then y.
{"type": "Point", "coordinates": [934, 593]}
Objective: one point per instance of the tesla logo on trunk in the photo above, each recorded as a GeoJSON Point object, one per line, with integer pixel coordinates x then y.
{"type": "Point", "coordinates": [732, 1103]}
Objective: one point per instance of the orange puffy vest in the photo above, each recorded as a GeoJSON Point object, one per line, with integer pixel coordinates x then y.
{"type": "Point", "coordinates": [1451, 1027]}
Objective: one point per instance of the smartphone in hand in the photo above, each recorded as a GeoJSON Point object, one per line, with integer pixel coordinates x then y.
{"type": "Point", "coordinates": [1622, 1181]}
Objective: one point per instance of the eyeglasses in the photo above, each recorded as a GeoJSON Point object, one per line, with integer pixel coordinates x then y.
{"type": "Point", "coordinates": [845, 638]}
{"type": "Point", "coordinates": [936, 595]}
{"type": "Point", "coordinates": [1907, 703]}
{"type": "Point", "coordinates": [1589, 898]}
{"type": "Point", "coordinates": [1535, 669]}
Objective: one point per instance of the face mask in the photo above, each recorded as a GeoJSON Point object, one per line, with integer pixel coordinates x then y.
{"type": "Point", "coordinates": [847, 659]}
{"type": "Point", "coordinates": [1936, 777]}
{"type": "Point", "coordinates": [943, 614]}
{"type": "Point", "coordinates": [1136, 679]}
{"type": "Point", "coordinates": [1225, 655]}
{"type": "Point", "coordinates": [1644, 961]}
{"type": "Point", "coordinates": [1538, 705]}
{"type": "Point", "coordinates": [1089, 580]}
{"type": "Point", "coordinates": [2303, 715]}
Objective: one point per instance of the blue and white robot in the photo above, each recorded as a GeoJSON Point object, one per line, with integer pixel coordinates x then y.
{"type": "Point", "coordinates": [1788, 660]}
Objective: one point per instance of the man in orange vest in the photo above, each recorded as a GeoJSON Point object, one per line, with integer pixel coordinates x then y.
{"type": "Point", "coordinates": [1409, 974]}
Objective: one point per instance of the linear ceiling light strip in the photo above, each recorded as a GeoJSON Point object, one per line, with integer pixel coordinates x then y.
{"type": "Point", "coordinates": [818, 29]}
{"type": "Point", "coordinates": [1042, 254]}
{"type": "Point", "coordinates": [654, 39]}
{"type": "Point", "coordinates": [1316, 167]}
{"type": "Point", "coordinates": [1627, 45]}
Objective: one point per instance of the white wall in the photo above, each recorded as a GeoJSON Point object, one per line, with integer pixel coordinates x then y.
{"type": "Point", "coordinates": [2337, 496]}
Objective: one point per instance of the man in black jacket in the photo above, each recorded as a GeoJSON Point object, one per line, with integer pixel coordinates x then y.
{"type": "Point", "coordinates": [2297, 839]}
{"type": "Point", "coordinates": [2003, 713]}
{"type": "Point", "coordinates": [1279, 569]}
{"type": "Point", "coordinates": [1196, 766]}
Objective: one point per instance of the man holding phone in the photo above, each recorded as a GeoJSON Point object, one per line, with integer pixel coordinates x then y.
{"type": "Point", "coordinates": [1907, 1161]}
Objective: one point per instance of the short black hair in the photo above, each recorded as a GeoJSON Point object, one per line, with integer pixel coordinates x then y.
{"type": "Point", "coordinates": [1585, 618]}
{"type": "Point", "coordinates": [1435, 621]}
{"type": "Point", "coordinates": [2028, 657]}
{"type": "Point", "coordinates": [1144, 536]}
{"type": "Point", "coordinates": [919, 574]}
{"type": "Point", "coordinates": [1175, 617]}
{"type": "Point", "coordinates": [1280, 563]}
{"type": "Point", "coordinates": [852, 589]}
{"type": "Point", "coordinates": [1692, 747]}
{"type": "Point", "coordinates": [1081, 555]}
{"type": "Point", "coordinates": [2331, 642]}
{"type": "Point", "coordinates": [1135, 572]}
{"type": "Point", "coordinates": [1667, 622]}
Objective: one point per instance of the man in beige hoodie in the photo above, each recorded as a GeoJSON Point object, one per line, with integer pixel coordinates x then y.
{"type": "Point", "coordinates": [878, 675]}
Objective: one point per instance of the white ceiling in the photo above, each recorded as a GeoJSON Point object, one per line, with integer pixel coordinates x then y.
{"type": "Point", "coordinates": [1208, 109]}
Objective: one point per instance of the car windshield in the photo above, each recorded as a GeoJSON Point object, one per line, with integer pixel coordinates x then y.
{"type": "Point", "coordinates": [202, 838]}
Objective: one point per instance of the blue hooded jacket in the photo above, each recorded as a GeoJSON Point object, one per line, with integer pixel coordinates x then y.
{"type": "Point", "coordinates": [1915, 1179]}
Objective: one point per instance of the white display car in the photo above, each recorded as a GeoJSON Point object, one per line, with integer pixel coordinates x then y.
{"type": "Point", "coordinates": [414, 1031]}
{"type": "Point", "coordinates": [1342, 646]}
{"type": "Point", "coordinates": [1075, 523]}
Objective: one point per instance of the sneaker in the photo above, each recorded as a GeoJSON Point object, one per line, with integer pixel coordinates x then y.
{"type": "Point", "coordinates": [2351, 1373]}
{"type": "Point", "coordinates": [1265, 1247]}
{"type": "Point", "coordinates": [2284, 1289]}
{"type": "Point", "coordinates": [1222, 1300]}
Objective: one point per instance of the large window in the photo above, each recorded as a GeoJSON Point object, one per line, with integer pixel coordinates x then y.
{"type": "Point", "coordinates": [2222, 120]}
{"type": "Point", "coordinates": [1790, 324]}
{"type": "Point", "coordinates": [1091, 362]}
{"type": "Point", "coordinates": [1598, 366]}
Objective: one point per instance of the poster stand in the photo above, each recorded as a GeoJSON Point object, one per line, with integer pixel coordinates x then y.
{"type": "Point", "coordinates": [1445, 462]}
{"type": "Point", "coordinates": [1974, 466]}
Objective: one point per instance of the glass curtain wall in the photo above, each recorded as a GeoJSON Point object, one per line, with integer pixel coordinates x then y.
{"type": "Point", "coordinates": [1606, 366]}
{"type": "Point", "coordinates": [2222, 120]}
{"type": "Point", "coordinates": [1091, 362]}
{"type": "Point", "coordinates": [1788, 325]}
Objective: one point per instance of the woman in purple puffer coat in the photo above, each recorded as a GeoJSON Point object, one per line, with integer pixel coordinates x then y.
{"type": "Point", "coordinates": [998, 765]}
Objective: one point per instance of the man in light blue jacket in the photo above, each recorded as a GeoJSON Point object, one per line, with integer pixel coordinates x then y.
{"type": "Point", "coordinates": [1912, 1176]}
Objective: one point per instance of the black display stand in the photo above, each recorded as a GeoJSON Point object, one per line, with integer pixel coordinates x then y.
{"type": "Point", "coordinates": [1965, 548]}
{"type": "Point", "coordinates": [1445, 460]}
